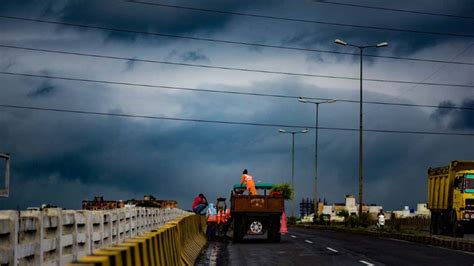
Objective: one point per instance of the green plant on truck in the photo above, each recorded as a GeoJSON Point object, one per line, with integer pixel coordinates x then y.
{"type": "Point", "coordinates": [451, 198]}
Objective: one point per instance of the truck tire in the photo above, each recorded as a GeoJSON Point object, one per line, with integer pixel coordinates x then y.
{"type": "Point", "coordinates": [456, 230]}
{"type": "Point", "coordinates": [434, 224]}
{"type": "Point", "coordinates": [274, 234]}
{"type": "Point", "coordinates": [276, 228]}
{"type": "Point", "coordinates": [237, 237]}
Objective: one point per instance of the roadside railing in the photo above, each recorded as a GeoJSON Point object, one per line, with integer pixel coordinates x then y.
{"type": "Point", "coordinates": [57, 237]}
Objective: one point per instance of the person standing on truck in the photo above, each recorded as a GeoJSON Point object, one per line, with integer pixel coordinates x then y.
{"type": "Point", "coordinates": [199, 204]}
{"type": "Point", "coordinates": [248, 179]}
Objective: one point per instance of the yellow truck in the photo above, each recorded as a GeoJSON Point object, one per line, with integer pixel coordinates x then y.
{"type": "Point", "coordinates": [451, 198]}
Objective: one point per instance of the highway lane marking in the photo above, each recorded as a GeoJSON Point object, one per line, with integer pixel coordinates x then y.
{"type": "Point", "coordinates": [293, 236]}
{"type": "Point", "coordinates": [307, 241]}
{"type": "Point", "coordinates": [366, 263]}
{"type": "Point", "coordinates": [331, 249]}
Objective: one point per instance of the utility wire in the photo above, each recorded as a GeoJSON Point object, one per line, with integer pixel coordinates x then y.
{"type": "Point", "coordinates": [229, 122]}
{"type": "Point", "coordinates": [261, 45]}
{"type": "Point", "coordinates": [393, 9]}
{"type": "Point", "coordinates": [228, 92]}
{"type": "Point", "coordinates": [251, 70]}
{"type": "Point", "coordinates": [320, 22]}
{"type": "Point", "coordinates": [263, 71]}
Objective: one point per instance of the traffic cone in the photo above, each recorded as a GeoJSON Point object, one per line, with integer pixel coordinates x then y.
{"type": "Point", "coordinates": [283, 228]}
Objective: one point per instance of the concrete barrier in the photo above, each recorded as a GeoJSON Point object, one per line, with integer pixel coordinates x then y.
{"type": "Point", "coordinates": [179, 242]}
{"type": "Point", "coordinates": [57, 237]}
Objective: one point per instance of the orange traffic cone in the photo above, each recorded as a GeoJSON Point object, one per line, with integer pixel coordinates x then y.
{"type": "Point", "coordinates": [283, 229]}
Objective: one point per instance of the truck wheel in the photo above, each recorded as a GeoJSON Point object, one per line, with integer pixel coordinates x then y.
{"type": "Point", "coordinates": [456, 229]}
{"type": "Point", "coordinates": [434, 224]}
{"type": "Point", "coordinates": [256, 227]}
{"type": "Point", "coordinates": [276, 229]}
{"type": "Point", "coordinates": [237, 229]}
{"type": "Point", "coordinates": [274, 234]}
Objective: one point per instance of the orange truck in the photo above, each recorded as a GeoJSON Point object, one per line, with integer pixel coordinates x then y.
{"type": "Point", "coordinates": [256, 214]}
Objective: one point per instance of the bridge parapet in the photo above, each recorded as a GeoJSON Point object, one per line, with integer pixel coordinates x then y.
{"type": "Point", "coordinates": [56, 237]}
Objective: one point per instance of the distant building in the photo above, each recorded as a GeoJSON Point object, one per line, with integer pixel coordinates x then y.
{"type": "Point", "coordinates": [351, 207]}
{"type": "Point", "coordinates": [99, 204]}
{"type": "Point", "coordinates": [422, 210]}
{"type": "Point", "coordinates": [150, 201]}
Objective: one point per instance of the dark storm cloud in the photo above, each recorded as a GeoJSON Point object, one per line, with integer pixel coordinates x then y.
{"type": "Point", "coordinates": [401, 43]}
{"type": "Point", "coordinates": [194, 56]}
{"type": "Point", "coordinates": [44, 89]}
{"type": "Point", "coordinates": [456, 118]}
{"type": "Point", "coordinates": [126, 157]}
{"type": "Point", "coordinates": [129, 16]}
{"type": "Point", "coordinates": [130, 65]}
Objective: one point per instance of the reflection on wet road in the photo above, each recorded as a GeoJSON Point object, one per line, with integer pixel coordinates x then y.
{"type": "Point", "coordinates": [314, 247]}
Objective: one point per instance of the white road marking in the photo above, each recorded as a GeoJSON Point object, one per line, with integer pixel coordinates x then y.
{"type": "Point", "coordinates": [331, 249]}
{"type": "Point", "coordinates": [293, 236]}
{"type": "Point", "coordinates": [366, 263]}
{"type": "Point", "coordinates": [309, 241]}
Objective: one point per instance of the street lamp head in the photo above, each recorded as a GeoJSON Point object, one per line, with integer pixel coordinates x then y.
{"type": "Point", "coordinates": [341, 42]}
{"type": "Point", "coordinates": [303, 100]}
{"type": "Point", "coordinates": [305, 130]}
{"type": "Point", "coordinates": [282, 131]}
{"type": "Point", "coordinates": [331, 101]}
{"type": "Point", "coordinates": [382, 44]}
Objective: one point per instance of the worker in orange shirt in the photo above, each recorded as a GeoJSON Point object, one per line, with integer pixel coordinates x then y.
{"type": "Point", "coordinates": [248, 179]}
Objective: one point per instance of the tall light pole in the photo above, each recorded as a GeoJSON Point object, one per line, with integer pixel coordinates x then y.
{"type": "Point", "coordinates": [361, 159]}
{"type": "Point", "coordinates": [315, 192]}
{"type": "Point", "coordinates": [293, 133]}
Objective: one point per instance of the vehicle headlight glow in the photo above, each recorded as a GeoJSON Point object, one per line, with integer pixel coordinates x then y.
{"type": "Point", "coordinates": [466, 215]}
{"type": "Point", "coordinates": [472, 215]}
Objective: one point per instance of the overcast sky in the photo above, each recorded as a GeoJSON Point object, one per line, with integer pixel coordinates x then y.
{"type": "Point", "coordinates": [62, 158]}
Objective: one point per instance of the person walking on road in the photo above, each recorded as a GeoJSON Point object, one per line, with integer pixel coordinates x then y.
{"type": "Point", "coordinates": [248, 180]}
{"type": "Point", "coordinates": [199, 204]}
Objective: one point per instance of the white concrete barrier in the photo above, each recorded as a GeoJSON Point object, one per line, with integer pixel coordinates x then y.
{"type": "Point", "coordinates": [57, 237]}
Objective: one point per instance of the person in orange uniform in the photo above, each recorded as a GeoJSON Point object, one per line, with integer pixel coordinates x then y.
{"type": "Point", "coordinates": [248, 179]}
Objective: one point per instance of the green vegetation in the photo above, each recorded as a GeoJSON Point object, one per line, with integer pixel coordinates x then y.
{"type": "Point", "coordinates": [343, 213]}
{"type": "Point", "coordinates": [285, 189]}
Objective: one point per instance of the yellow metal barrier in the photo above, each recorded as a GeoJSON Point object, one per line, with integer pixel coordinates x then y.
{"type": "Point", "coordinates": [179, 242]}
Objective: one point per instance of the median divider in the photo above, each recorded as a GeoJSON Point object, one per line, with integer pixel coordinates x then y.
{"type": "Point", "coordinates": [179, 242]}
{"type": "Point", "coordinates": [433, 240]}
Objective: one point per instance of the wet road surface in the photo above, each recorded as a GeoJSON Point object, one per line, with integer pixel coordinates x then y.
{"type": "Point", "coordinates": [318, 247]}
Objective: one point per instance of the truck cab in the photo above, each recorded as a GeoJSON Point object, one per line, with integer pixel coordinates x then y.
{"type": "Point", "coordinates": [463, 196]}
{"type": "Point", "coordinates": [256, 214]}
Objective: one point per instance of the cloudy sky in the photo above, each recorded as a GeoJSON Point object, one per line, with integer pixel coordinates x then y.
{"type": "Point", "coordinates": [119, 57]}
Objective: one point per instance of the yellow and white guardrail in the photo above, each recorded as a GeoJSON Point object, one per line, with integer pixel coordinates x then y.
{"type": "Point", "coordinates": [179, 242]}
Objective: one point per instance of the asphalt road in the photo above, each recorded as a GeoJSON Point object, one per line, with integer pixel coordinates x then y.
{"type": "Point", "coordinates": [318, 247]}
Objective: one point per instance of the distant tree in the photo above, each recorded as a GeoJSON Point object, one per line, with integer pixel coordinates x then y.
{"type": "Point", "coordinates": [343, 213]}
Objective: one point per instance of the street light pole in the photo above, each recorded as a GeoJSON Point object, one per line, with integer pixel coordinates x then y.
{"type": "Point", "coordinates": [293, 161]}
{"type": "Point", "coordinates": [317, 103]}
{"type": "Point", "coordinates": [361, 158]}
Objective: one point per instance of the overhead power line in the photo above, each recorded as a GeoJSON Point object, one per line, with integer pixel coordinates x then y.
{"type": "Point", "coordinates": [320, 22]}
{"type": "Point", "coordinates": [226, 92]}
{"type": "Point", "coordinates": [393, 9]}
{"type": "Point", "coordinates": [260, 45]}
{"type": "Point", "coordinates": [247, 69]}
{"type": "Point", "coordinates": [230, 122]}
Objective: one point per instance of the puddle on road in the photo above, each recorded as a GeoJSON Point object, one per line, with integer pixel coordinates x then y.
{"type": "Point", "coordinates": [214, 254]}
